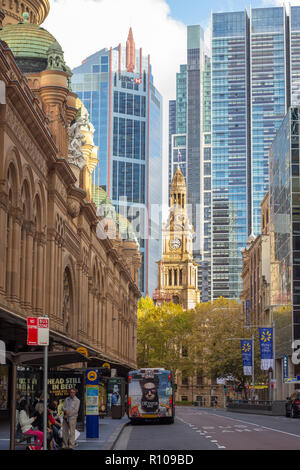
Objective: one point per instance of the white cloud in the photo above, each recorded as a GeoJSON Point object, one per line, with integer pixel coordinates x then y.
{"type": "Point", "coordinates": [281, 2]}
{"type": "Point", "coordinates": [83, 27]}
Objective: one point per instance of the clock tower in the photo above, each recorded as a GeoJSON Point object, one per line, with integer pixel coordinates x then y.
{"type": "Point", "coordinates": [177, 271]}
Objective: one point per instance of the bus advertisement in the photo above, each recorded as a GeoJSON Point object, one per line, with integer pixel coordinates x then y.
{"type": "Point", "coordinates": [151, 395]}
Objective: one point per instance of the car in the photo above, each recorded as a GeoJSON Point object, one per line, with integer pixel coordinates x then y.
{"type": "Point", "coordinates": [292, 406]}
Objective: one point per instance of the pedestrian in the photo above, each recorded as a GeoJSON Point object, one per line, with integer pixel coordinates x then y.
{"type": "Point", "coordinates": [27, 428]}
{"type": "Point", "coordinates": [19, 399]}
{"type": "Point", "coordinates": [54, 424]}
{"type": "Point", "coordinates": [70, 408]}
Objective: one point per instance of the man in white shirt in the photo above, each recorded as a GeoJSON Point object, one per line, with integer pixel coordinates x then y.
{"type": "Point", "coordinates": [70, 408]}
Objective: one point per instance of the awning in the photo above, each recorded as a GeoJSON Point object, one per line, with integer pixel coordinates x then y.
{"type": "Point", "coordinates": [55, 359]}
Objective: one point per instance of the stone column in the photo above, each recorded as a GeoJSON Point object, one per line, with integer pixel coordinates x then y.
{"type": "Point", "coordinates": [3, 240]}
{"type": "Point", "coordinates": [16, 257]}
{"type": "Point", "coordinates": [23, 266]}
{"type": "Point", "coordinates": [28, 304]}
{"type": "Point", "coordinates": [40, 294]}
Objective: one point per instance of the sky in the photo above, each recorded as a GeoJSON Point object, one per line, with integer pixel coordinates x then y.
{"type": "Point", "coordinates": [83, 27]}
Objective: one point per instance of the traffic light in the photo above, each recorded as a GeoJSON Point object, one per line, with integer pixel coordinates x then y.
{"type": "Point", "coordinates": [225, 388]}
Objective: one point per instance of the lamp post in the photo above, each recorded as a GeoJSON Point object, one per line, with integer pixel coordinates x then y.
{"type": "Point", "coordinates": [273, 369]}
{"type": "Point", "coordinates": [248, 339]}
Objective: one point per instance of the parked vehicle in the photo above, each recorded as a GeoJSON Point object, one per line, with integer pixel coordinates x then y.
{"type": "Point", "coordinates": [292, 407]}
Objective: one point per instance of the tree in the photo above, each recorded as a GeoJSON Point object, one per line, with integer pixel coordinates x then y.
{"type": "Point", "coordinates": [216, 324]}
{"type": "Point", "coordinates": [162, 332]}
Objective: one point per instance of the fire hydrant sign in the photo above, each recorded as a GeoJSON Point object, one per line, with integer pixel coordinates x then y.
{"type": "Point", "coordinates": [37, 331]}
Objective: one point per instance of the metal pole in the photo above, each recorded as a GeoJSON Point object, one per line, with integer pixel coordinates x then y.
{"type": "Point", "coordinates": [13, 406]}
{"type": "Point", "coordinates": [253, 378]}
{"type": "Point", "coordinates": [45, 424]}
{"type": "Point", "coordinates": [274, 362]}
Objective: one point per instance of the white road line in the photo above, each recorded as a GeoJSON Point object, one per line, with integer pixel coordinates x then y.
{"type": "Point", "coordinates": [255, 424]}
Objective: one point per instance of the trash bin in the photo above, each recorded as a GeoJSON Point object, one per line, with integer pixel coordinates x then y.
{"type": "Point", "coordinates": [116, 411]}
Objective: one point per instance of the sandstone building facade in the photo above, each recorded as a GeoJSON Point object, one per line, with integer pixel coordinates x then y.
{"type": "Point", "coordinates": [55, 256]}
{"type": "Point", "coordinates": [177, 271]}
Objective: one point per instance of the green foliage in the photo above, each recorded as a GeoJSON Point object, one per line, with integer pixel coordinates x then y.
{"type": "Point", "coordinates": [207, 334]}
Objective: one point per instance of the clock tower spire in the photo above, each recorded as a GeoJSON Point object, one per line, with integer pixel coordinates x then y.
{"type": "Point", "coordinates": [177, 271]}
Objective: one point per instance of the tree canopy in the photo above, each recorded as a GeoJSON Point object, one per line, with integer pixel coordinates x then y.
{"type": "Point", "coordinates": [204, 339]}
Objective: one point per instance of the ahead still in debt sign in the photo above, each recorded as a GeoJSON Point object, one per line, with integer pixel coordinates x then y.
{"type": "Point", "coordinates": [37, 331]}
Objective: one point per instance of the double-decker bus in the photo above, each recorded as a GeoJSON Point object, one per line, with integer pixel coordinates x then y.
{"type": "Point", "coordinates": [151, 395]}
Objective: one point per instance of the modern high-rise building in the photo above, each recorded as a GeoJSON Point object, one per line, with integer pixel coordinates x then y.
{"type": "Point", "coordinates": [236, 101]}
{"type": "Point", "coordinates": [116, 86]}
{"type": "Point", "coordinates": [191, 149]}
{"type": "Point", "coordinates": [230, 149]}
{"type": "Point", "coordinates": [255, 70]}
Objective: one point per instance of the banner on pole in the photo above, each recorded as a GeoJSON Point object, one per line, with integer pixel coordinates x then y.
{"type": "Point", "coordinates": [246, 346]}
{"type": "Point", "coordinates": [266, 348]}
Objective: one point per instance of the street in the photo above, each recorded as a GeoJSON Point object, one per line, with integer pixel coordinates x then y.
{"type": "Point", "coordinates": [213, 429]}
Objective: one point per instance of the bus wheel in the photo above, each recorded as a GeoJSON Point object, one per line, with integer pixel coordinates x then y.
{"type": "Point", "coordinates": [171, 420]}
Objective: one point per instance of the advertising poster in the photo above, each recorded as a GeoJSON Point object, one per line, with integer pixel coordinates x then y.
{"type": "Point", "coordinates": [246, 346]}
{"type": "Point", "coordinates": [59, 385]}
{"type": "Point", "coordinates": [266, 347]}
{"type": "Point", "coordinates": [151, 396]}
{"type": "Point", "coordinates": [92, 400]}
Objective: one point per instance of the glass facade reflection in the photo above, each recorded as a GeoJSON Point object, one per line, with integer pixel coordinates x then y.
{"type": "Point", "coordinates": [230, 104]}
{"type": "Point", "coordinates": [126, 111]}
{"type": "Point", "coordinates": [285, 232]}
{"type": "Point", "coordinates": [268, 96]}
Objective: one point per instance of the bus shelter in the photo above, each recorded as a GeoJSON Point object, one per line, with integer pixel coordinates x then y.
{"type": "Point", "coordinates": [55, 359]}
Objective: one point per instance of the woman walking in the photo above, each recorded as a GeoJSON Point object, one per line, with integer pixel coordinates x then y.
{"type": "Point", "coordinates": [27, 429]}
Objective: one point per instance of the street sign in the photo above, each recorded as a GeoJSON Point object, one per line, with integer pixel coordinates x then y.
{"type": "Point", "coordinates": [43, 331]}
{"type": "Point", "coordinates": [37, 331]}
{"type": "Point", "coordinates": [32, 331]}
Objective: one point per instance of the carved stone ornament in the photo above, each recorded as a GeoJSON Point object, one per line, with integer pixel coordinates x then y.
{"type": "Point", "coordinates": [76, 143]}
{"type": "Point", "coordinates": [73, 207]}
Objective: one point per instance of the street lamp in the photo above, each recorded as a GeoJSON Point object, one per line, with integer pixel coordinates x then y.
{"type": "Point", "coordinates": [273, 347]}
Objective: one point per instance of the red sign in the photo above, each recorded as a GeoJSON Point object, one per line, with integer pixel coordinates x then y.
{"type": "Point", "coordinates": [37, 331]}
{"type": "Point", "coordinates": [138, 80]}
{"type": "Point", "coordinates": [32, 331]}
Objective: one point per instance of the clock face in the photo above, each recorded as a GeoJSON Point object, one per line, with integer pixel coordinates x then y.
{"type": "Point", "coordinates": [175, 244]}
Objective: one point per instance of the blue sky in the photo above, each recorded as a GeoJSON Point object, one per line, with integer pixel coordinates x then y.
{"type": "Point", "coordinates": [198, 11]}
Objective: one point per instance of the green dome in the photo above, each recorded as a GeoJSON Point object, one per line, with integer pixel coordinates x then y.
{"type": "Point", "coordinates": [29, 44]}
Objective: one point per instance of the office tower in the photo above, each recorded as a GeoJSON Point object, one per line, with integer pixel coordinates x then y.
{"type": "Point", "coordinates": [230, 149]}
{"type": "Point", "coordinates": [172, 131]}
{"type": "Point", "coordinates": [178, 137]}
{"type": "Point", "coordinates": [116, 86]}
{"type": "Point", "coordinates": [269, 96]}
{"type": "Point", "coordinates": [191, 148]}
{"type": "Point", "coordinates": [255, 75]}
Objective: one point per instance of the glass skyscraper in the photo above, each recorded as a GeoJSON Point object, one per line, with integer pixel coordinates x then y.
{"type": "Point", "coordinates": [236, 101]}
{"type": "Point", "coordinates": [230, 151]}
{"type": "Point", "coordinates": [255, 72]}
{"type": "Point", "coordinates": [116, 86]}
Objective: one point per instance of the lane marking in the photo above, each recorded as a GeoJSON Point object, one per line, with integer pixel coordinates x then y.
{"type": "Point", "coordinates": [255, 424]}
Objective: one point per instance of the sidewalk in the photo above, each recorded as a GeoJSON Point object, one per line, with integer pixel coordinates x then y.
{"type": "Point", "coordinates": [109, 431]}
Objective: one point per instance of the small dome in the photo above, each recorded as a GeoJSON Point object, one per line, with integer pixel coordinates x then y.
{"type": "Point", "coordinates": [29, 43]}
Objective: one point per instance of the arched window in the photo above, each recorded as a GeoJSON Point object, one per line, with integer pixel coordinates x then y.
{"type": "Point", "coordinates": [176, 300]}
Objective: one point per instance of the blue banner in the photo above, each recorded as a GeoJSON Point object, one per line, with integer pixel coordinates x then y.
{"type": "Point", "coordinates": [246, 346]}
{"type": "Point", "coordinates": [266, 348]}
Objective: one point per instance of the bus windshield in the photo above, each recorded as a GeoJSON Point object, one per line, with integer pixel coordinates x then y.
{"type": "Point", "coordinates": [150, 393]}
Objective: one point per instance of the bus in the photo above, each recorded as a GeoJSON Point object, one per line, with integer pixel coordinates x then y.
{"type": "Point", "coordinates": [151, 395]}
